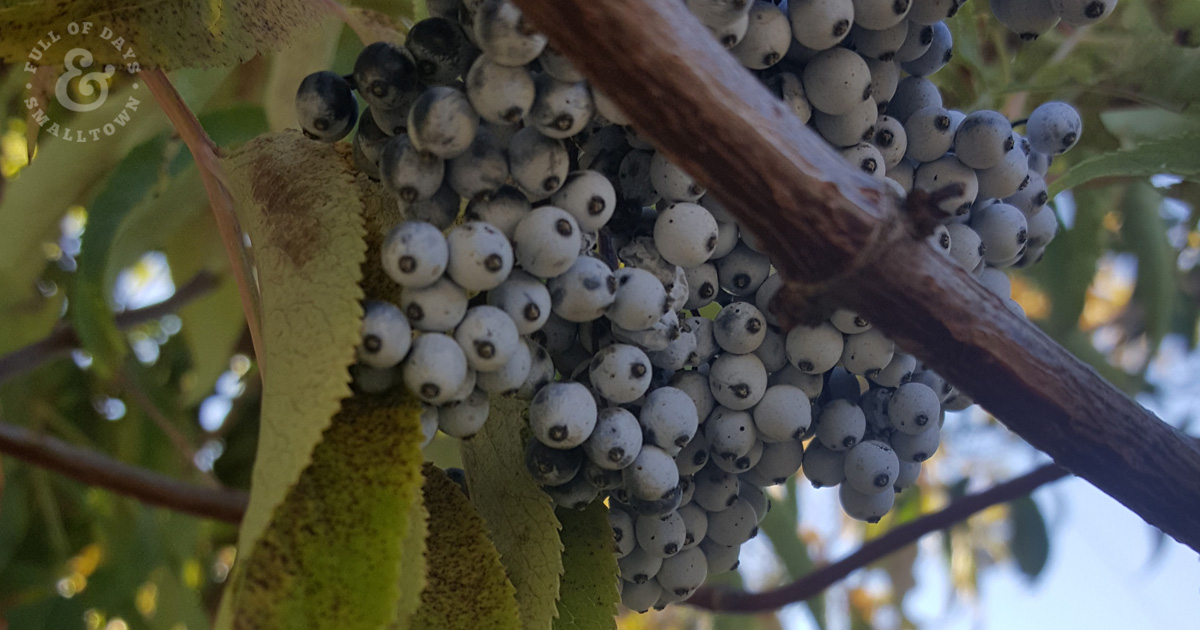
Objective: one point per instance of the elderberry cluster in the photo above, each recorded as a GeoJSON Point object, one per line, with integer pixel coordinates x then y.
{"type": "Point", "coordinates": [552, 254]}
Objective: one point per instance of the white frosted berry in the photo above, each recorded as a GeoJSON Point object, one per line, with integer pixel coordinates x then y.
{"type": "Point", "coordinates": [767, 38]}
{"type": "Point", "coordinates": [684, 572]}
{"type": "Point", "coordinates": [589, 197]}
{"type": "Point", "coordinates": [814, 350]}
{"type": "Point", "coordinates": [898, 372]}
{"type": "Point", "coordinates": [640, 597]}
{"type": "Point", "coordinates": [429, 424]}
{"type": "Point", "coordinates": [867, 353]}
{"type": "Point", "coordinates": [934, 177]}
{"type": "Point", "coordinates": [743, 270]}
{"type": "Point", "coordinates": [841, 425]}
{"type": "Point", "coordinates": [435, 368]}
{"type": "Point", "coordinates": [671, 182]}
{"type": "Point", "coordinates": [525, 299]}
{"type": "Point", "coordinates": [501, 94]}
{"type": "Point", "coordinates": [909, 472]}
{"type": "Point", "coordinates": [738, 381]}
{"type": "Point", "coordinates": [652, 475]}
{"type": "Point", "coordinates": [638, 566]}
{"type": "Point", "coordinates": [503, 32]}
{"type": "Point", "coordinates": [836, 80]}
{"type": "Point", "coordinates": [679, 352]}
{"type": "Point", "coordinates": [415, 254]}
{"type": "Point", "coordinates": [640, 299]}
{"type": "Point", "coordinates": [733, 526]}
{"type": "Point", "coordinates": [916, 448]}
{"type": "Point", "coordinates": [966, 248]}
{"type": "Point", "coordinates": [653, 339]}
{"type": "Point", "coordinates": [824, 467]}
{"type": "Point", "coordinates": [739, 328]}
{"type": "Point", "coordinates": [685, 234]}
{"type": "Point", "coordinates": [871, 467]}
{"type": "Point", "coordinates": [914, 408]}
{"type": "Point", "coordinates": [488, 337]}
{"type": "Point", "coordinates": [669, 419]}
{"type": "Point", "coordinates": [783, 414]}
{"type": "Point", "coordinates": [584, 291]}
{"type": "Point", "coordinates": [562, 415]}
{"type": "Point", "coordinates": [560, 109]}
{"type": "Point", "coordinates": [1053, 128]}
{"type": "Point", "coordinates": [538, 164]}
{"type": "Point", "coordinates": [983, 138]}
{"type": "Point", "coordinates": [716, 489]}
{"type": "Point", "coordinates": [779, 461]}
{"type": "Point", "coordinates": [661, 536]}
{"type": "Point", "coordinates": [1003, 229]}
{"type": "Point", "coordinates": [730, 434]}
{"type": "Point", "coordinates": [1083, 12]}
{"type": "Point", "coordinates": [849, 322]}
{"type": "Point", "coordinates": [624, 535]}
{"type": "Point", "coordinates": [510, 376]}
{"type": "Point", "coordinates": [616, 439]}
{"type": "Point", "coordinates": [464, 418]}
{"type": "Point", "coordinates": [547, 241]}
{"type": "Point", "coordinates": [480, 256]}
{"type": "Point", "coordinates": [386, 335]}
{"type": "Point", "coordinates": [702, 286]}
{"type": "Point", "coordinates": [620, 373]}
{"type": "Point", "coordinates": [773, 351]}
{"type": "Point", "coordinates": [865, 507]}
{"type": "Point", "coordinates": [438, 307]}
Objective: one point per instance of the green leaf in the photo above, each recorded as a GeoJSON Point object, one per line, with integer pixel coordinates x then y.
{"type": "Point", "coordinates": [312, 50]}
{"type": "Point", "coordinates": [297, 201]}
{"type": "Point", "coordinates": [588, 595]}
{"type": "Point", "coordinates": [1176, 155]}
{"type": "Point", "coordinates": [416, 567]}
{"type": "Point", "coordinates": [467, 587]}
{"type": "Point", "coordinates": [1030, 542]}
{"type": "Point", "coordinates": [331, 556]}
{"type": "Point", "coordinates": [1144, 232]}
{"type": "Point", "coordinates": [64, 174]}
{"type": "Point", "coordinates": [519, 515]}
{"type": "Point", "coordinates": [171, 35]}
{"type": "Point", "coordinates": [91, 312]}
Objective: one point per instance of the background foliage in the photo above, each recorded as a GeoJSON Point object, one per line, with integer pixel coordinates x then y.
{"type": "Point", "coordinates": [89, 229]}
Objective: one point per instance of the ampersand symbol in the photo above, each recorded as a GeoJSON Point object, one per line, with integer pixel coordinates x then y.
{"type": "Point", "coordinates": [90, 83]}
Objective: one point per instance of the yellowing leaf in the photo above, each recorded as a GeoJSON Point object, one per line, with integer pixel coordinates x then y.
{"type": "Point", "coordinates": [180, 34]}
{"type": "Point", "coordinates": [589, 595]}
{"type": "Point", "coordinates": [297, 201]}
{"type": "Point", "coordinates": [518, 514]}
{"type": "Point", "coordinates": [415, 565]}
{"type": "Point", "coordinates": [467, 587]}
{"type": "Point", "coordinates": [332, 555]}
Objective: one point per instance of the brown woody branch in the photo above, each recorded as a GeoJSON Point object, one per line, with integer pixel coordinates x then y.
{"type": "Point", "coordinates": [98, 470]}
{"type": "Point", "coordinates": [728, 600]}
{"type": "Point", "coordinates": [63, 339]}
{"type": "Point", "coordinates": [833, 231]}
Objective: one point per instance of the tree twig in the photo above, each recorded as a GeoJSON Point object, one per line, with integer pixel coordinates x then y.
{"type": "Point", "coordinates": [839, 236]}
{"type": "Point", "coordinates": [183, 447]}
{"type": "Point", "coordinates": [62, 339]}
{"type": "Point", "coordinates": [726, 600]}
{"type": "Point", "coordinates": [95, 469]}
{"type": "Point", "coordinates": [204, 151]}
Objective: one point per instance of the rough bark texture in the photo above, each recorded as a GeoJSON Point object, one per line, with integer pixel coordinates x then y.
{"type": "Point", "coordinates": [831, 229]}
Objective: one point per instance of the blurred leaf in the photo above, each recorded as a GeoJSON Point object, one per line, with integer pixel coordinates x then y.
{"type": "Point", "coordinates": [1144, 232]}
{"type": "Point", "coordinates": [62, 174]}
{"type": "Point", "coordinates": [14, 514]}
{"type": "Point", "coordinates": [161, 35]}
{"type": "Point", "coordinates": [416, 567]}
{"type": "Point", "coordinates": [91, 309]}
{"type": "Point", "coordinates": [466, 582]}
{"type": "Point", "coordinates": [296, 200]}
{"type": "Point", "coordinates": [330, 557]}
{"type": "Point", "coordinates": [1070, 264]}
{"type": "Point", "coordinates": [310, 51]}
{"type": "Point", "coordinates": [1030, 541]}
{"type": "Point", "coordinates": [1181, 17]}
{"type": "Point", "coordinates": [519, 515]}
{"type": "Point", "coordinates": [781, 526]}
{"type": "Point", "coordinates": [588, 596]}
{"type": "Point", "coordinates": [1176, 156]}
{"type": "Point", "coordinates": [1148, 123]}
